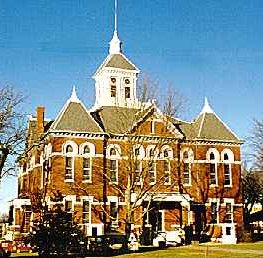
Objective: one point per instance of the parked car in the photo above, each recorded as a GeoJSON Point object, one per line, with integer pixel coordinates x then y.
{"type": "Point", "coordinates": [108, 243]}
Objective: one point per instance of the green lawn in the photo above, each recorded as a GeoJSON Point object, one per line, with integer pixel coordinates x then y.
{"type": "Point", "coordinates": [202, 251]}
{"type": "Point", "coordinates": [233, 251]}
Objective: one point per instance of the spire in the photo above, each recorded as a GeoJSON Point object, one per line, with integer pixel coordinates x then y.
{"type": "Point", "coordinates": [115, 43]}
{"type": "Point", "coordinates": [74, 97]}
{"type": "Point", "coordinates": [207, 108]}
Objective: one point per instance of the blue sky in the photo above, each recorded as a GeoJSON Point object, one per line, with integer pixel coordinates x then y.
{"type": "Point", "coordinates": [202, 48]}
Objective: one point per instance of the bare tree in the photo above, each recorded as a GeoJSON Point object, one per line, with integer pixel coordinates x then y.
{"type": "Point", "coordinates": [12, 129]}
{"type": "Point", "coordinates": [256, 141]}
{"type": "Point", "coordinates": [140, 175]}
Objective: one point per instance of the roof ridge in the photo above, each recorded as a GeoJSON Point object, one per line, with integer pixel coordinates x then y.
{"type": "Point", "coordinates": [201, 124]}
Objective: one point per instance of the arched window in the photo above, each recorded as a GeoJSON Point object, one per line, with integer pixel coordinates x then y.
{"type": "Point", "coordinates": [113, 152]}
{"type": "Point", "coordinates": [213, 159]}
{"type": "Point", "coordinates": [167, 154]}
{"type": "Point", "coordinates": [87, 151]}
{"type": "Point", "coordinates": [69, 149]}
{"type": "Point", "coordinates": [227, 158]}
{"type": "Point", "coordinates": [69, 163]}
{"type": "Point", "coordinates": [113, 166]}
{"type": "Point", "coordinates": [187, 157]}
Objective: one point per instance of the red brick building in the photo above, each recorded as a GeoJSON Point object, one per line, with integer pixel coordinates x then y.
{"type": "Point", "coordinates": [123, 154]}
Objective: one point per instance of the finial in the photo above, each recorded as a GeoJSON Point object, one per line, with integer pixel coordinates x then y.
{"type": "Point", "coordinates": [207, 108]}
{"type": "Point", "coordinates": [74, 97]}
{"type": "Point", "coordinates": [115, 43]}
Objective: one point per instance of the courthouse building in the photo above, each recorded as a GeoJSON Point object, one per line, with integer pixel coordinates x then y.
{"type": "Point", "coordinates": [125, 154]}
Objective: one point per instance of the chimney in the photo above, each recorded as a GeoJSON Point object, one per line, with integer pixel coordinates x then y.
{"type": "Point", "coordinates": [40, 120]}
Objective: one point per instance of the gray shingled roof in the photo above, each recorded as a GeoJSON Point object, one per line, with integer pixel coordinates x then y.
{"type": "Point", "coordinates": [119, 61]}
{"type": "Point", "coordinates": [208, 126]}
{"type": "Point", "coordinates": [75, 118]}
{"type": "Point", "coordinates": [116, 120]}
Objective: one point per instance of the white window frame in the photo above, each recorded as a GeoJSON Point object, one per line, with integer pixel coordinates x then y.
{"type": "Point", "coordinates": [228, 163]}
{"type": "Point", "coordinates": [87, 156]}
{"type": "Point", "coordinates": [83, 199]}
{"type": "Point", "coordinates": [72, 156]}
{"type": "Point", "coordinates": [213, 162]}
{"type": "Point", "coordinates": [152, 173]}
{"type": "Point", "coordinates": [187, 161]}
{"type": "Point", "coordinates": [167, 173]}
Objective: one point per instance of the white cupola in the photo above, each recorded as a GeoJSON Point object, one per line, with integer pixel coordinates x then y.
{"type": "Point", "coordinates": [116, 78]}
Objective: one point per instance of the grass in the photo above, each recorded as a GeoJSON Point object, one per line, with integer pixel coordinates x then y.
{"type": "Point", "coordinates": [243, 246]}
{"type": "Point", "coordinates": [220, 251]}
{"type": "Point", "coordinates": [242, 250]}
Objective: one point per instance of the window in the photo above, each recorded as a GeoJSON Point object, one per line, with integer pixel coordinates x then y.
{"type": "Point", "coordinates": [137, 151]}
{"type": "Point", "coordinates": [69, 164]}
{"type": "Point", "coordinates": [113, 211]}
{"type": "Point", "coordinates": [212, 156]}
{"type": "Point", "coordinates": [151, 153]}
{"type": "Point", "coordinates": [165, 153]}
{"type": "Point", "coordinates": [137, 172]}
{"type": "Point", "coordinates": [152, 172]}
{"type": "Point", "coordinates": [113, 86]}
{"type": "Point", "coordinates": [113, 171]}
{"type": "Point", "coordinates": [86, 150]}
{"type": "Point", "coordinates": [185, 155]}
{"type": "Point", "coordinates": [167, 175]}
{"type": "Point", "coordinates": [86, 169]}
{"type": "Point", "coordinates": [186, 179]}
{"type": "Point", "coordinates": [113, 166]}
{"type": "Point", "coordinates": [112, 152]}
{"type": "Point", "coordinates": [214, 212]}
{"type": "Point", "coordinates": [212, 174]}
{"type": "Point", "coordinates": [127, 92]}
{"type": "Point", "coordinates": [227, 171]}
{"type": "Point", "coordinates": [229, 212]}
{"type": "Point", "coordinates": [68, 205]}
{"type": "Point", "coordinates": [212, 170]}
{"type": "Point", "coordinates": [85, 211]}
{"type": "Point", "coordinates": [187, 158]}
{"type": "Point", "coordinates": [113, 91]}
{"type": "Point", "coordinates": [69, 149]}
